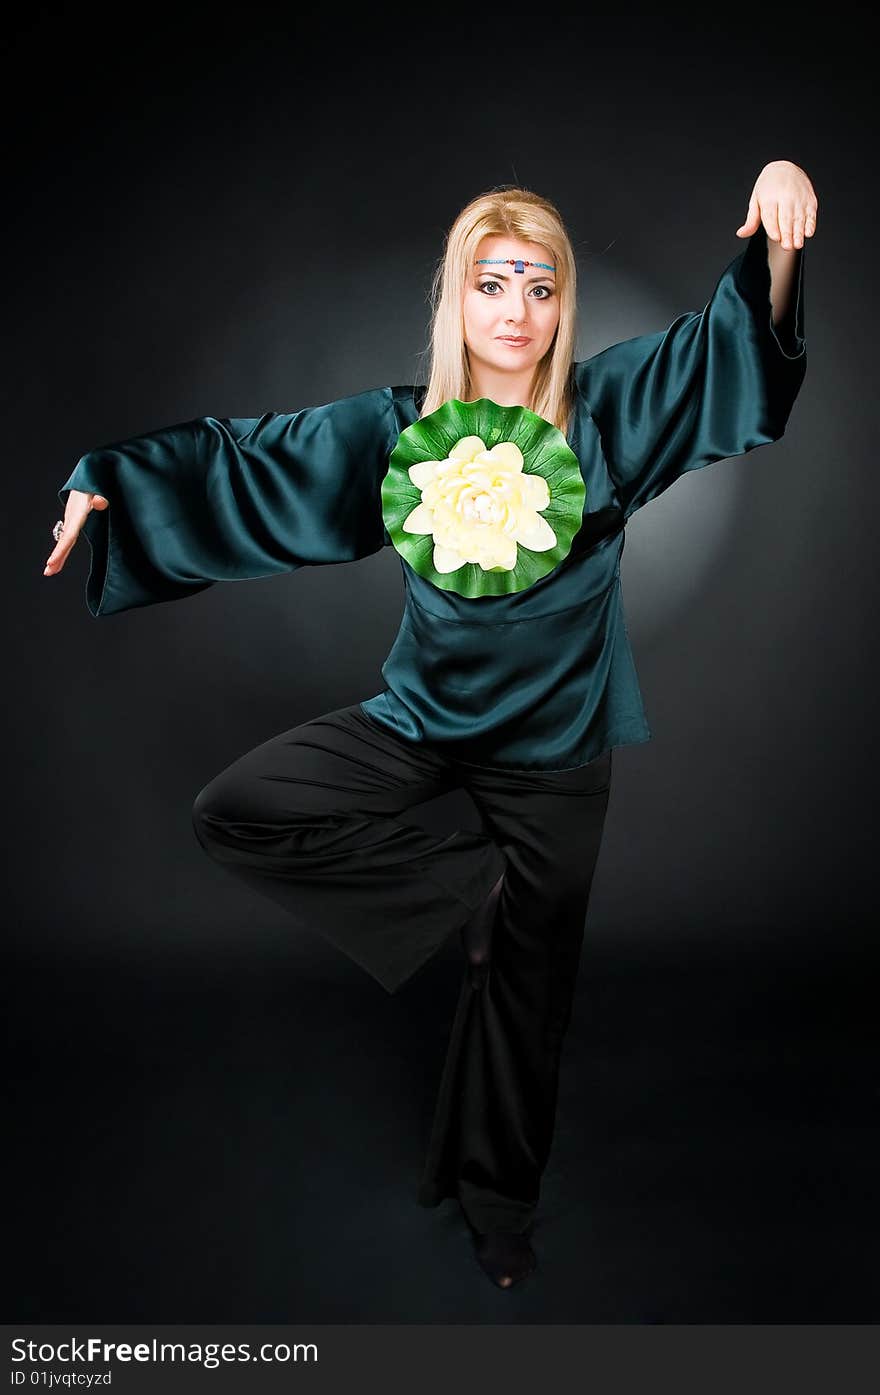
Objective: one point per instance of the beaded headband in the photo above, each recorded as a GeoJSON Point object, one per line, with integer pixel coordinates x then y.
{"type": "Point", "coordinates": [517, 265]}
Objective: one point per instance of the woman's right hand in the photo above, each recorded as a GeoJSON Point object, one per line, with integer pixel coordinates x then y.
{"type": "Point", "coordinates": [76, 511]}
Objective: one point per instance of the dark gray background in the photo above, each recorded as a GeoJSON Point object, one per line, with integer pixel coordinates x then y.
{"type": "Point", "coordinates": [232, 217]}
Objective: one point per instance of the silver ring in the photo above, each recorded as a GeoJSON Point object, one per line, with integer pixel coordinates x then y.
{"type": "Point", "coordinates": [58, 530]}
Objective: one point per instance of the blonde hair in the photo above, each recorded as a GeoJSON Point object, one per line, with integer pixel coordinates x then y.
{"type": "Point", "coordinates": [510, 211]}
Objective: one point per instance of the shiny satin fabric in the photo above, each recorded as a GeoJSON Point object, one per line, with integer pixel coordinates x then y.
{"type": "Point", "coordinates": [542, 679]}
{"type": "Point", "coordinates": [234, 498]}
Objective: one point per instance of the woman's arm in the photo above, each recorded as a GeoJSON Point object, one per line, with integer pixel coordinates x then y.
{"type": "Point", "coordinates": [715, 384]}
{"type": "Point", "coordinates": [784, 272]}
{"type": "Point", "coordinates": [227, 499]}
{"type": "Point", "coordinates": [718, 381]}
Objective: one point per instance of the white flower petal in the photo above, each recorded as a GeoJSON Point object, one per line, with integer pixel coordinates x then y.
{"type": "Point", "coordinates": [449, 468]}
{"type": "Point", "coordinates": [421, 520]}
{"type": "Point", "coordinates": [445, 560]}
{"type": "Point", "coordinates": [507, 454]}
{"type": "Point", "coordinates": [504, 553]}
{"type": "Point", "coordinates": [534, 532]}
{"type": "Point", "coordinates": [467, 448]}
{"type": "Point", "coordinates": [536, 491]}
{"type": "Point", "coordinates": [423, 472]}
{"type": "Point", "coordinates": [479, 479]}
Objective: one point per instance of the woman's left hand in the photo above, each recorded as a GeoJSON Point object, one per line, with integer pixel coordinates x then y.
{"type": "Point", "coordinates": [784, 200]}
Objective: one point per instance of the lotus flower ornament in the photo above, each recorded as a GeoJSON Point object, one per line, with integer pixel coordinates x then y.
{"type": "Point", "coordinates": [482, 499]}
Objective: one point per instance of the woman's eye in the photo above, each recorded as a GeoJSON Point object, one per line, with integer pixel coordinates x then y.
{"type": "Point", "coordinates": [547, 292]}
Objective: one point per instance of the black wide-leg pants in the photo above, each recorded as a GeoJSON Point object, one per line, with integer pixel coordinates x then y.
{"type": "Point", "coordinates": [310, 819]}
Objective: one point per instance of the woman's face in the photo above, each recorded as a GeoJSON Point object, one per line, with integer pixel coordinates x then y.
{"type": "Point", "coordinates": [499, 302]}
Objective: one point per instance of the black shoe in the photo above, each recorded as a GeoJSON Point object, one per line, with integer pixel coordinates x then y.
{"type": "Point", "coordinates": [505, 1256]}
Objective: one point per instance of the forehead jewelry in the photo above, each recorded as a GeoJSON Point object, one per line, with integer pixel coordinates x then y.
{"type": "Point", "coordinates": [516, 263]}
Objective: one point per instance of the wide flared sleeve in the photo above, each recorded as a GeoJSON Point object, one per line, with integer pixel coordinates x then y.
{"type": "Point", "coordinates": [232, 498]}
{"type": "Point", "coordinates": [716, 383]}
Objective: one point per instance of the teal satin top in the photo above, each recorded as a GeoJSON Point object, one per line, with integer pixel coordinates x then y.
{"type": "Point", "coordinates": [540, 679]}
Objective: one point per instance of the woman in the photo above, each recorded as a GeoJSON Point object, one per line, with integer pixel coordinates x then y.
{"type": "Point", "coordinates": [505, 485]}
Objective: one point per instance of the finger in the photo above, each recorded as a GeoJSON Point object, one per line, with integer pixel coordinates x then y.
{"type": "Point", "coordinates": [785, 218]}
{"type": "Point", "coordinates": [752, 221]}
{"type": "Point", "coordinates": [770, 214]}
{"type": "Point", "coordinates": [810, 222]}
{"type": "Point", "coordinates": [54, 562]}
{"type": "Point", "coordinates": [61, 552]}
{"type": "Point", "coordinates": [797, 227]}
{"type": "Point", "coordinates": [75, 512]}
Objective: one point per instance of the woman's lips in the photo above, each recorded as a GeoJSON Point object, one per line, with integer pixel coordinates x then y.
{"type": "Point", "coordinates": [515, 340]}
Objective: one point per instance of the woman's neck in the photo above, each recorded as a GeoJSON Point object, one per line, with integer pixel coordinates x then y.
{"type": "Point", "coordinates": [507, 389]}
